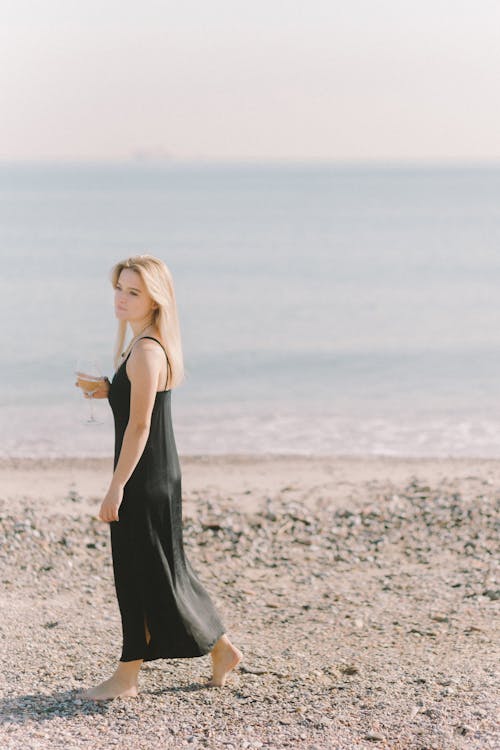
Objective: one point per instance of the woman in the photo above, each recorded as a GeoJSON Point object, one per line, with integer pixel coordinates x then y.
{"type": "Point", "coordinates": [166, 613]}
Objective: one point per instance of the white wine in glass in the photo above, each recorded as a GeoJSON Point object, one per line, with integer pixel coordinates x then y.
{"type": "Point", "coordinates": [89, 378]}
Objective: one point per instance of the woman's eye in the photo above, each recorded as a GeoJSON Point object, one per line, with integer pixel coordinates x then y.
{"type": "Point", "coordinates": [118, 289]}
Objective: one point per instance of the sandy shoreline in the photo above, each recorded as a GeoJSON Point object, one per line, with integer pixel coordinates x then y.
{"type": "Point", "coordinates": [50, 479]}
{"type": "Point", "coordinates": [362, 592]}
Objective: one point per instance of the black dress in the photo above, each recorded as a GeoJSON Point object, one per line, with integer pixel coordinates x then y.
{"type": "Point", "coordinates": [155, 583]}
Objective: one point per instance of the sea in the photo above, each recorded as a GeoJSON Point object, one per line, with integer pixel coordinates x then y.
{"type": "Point", "coordinates": [325, 308]}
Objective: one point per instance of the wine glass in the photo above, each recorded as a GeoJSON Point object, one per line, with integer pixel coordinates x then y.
{"type": "Point", "coordinates": [89, 377]}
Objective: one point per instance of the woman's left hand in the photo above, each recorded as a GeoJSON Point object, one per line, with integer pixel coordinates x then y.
{"type": "Point", "coordinates": [111, 503]}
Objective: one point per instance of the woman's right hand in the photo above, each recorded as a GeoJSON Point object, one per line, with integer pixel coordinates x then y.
{"type": "Point", "coordinates": [101, 392]}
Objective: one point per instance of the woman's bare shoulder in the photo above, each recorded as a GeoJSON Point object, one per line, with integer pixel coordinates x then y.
{"type": "Point", "coordinates": [144, 353]}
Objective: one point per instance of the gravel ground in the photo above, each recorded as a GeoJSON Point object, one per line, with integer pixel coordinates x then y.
{"type": "Point", "coordinates": [366, 617]}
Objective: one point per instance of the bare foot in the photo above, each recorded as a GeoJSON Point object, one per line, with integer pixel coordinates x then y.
{"type": "Point", "coordinates": [110, 689]}
{"type": "Point", "coordinates": [225, 657]}
{"type": "Point", "coordinates": [122, 684]}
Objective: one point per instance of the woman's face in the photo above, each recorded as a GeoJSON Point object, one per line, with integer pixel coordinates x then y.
{"type": "Point", "coordinates": [132, 301]}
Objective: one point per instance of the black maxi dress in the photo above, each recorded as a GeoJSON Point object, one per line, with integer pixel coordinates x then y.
{"type": "Point", "coordinates": [155, 583]}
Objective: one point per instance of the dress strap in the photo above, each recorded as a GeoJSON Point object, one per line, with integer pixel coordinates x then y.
{"type": "Point", "coordinates": [166, 355]}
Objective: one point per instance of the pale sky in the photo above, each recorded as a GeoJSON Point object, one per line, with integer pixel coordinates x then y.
{"type": "Point", "coordinates": [260, 79]}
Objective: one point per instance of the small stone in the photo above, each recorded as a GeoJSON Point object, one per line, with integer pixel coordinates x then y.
{"type": "Point", "coordinates": [349, 669]}
{"type": "Point", "coordinates": [493, 594]}
{"type": "Point", "coordinates": [448, 691]}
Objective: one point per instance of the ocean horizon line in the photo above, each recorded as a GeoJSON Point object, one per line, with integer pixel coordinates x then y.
{"type": "Point", "coordinates": [382, 162]}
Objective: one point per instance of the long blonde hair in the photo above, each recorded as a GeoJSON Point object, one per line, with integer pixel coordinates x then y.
{"type": "Point", "coordinates": [160, 286]}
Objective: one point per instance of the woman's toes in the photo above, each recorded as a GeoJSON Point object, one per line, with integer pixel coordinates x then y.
{"type": "Point", "coordinates": [214, 683]}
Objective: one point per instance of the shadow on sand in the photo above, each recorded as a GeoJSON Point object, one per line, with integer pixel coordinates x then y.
{"type": "Point", "coordinates": [67, 703]}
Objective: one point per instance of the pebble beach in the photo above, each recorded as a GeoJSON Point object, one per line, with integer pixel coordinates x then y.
{"type": "Point", "coordinates": [362, 592]}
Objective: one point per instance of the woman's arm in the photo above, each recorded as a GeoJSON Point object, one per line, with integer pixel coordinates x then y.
{"type": "Point", "coordinates": [143, 370]}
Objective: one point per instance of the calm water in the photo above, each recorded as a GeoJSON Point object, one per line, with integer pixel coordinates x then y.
{"type": "Point", "coordinates": [324, 309]}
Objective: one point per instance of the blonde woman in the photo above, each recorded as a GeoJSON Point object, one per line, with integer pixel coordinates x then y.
{"type": "Point", "coordinates": [166, 613]}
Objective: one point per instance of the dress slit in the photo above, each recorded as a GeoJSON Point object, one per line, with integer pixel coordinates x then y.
{"type": "Point", "coordinates": [147, 631]}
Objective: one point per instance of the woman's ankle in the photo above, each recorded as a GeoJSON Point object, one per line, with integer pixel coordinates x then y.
{"type": "Point", "coordinates": [126, 673]}
{"type": "Point", "coordinates": [223, 642]}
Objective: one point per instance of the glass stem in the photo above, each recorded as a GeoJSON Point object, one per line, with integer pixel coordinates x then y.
{"type": "Point", "coordinates": [90, 394]}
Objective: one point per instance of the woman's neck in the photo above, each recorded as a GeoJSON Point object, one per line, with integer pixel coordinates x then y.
{"type": "Point", "coordinates": [136, 336]}
{"type": "Point", "coordinates": [140, 326]}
